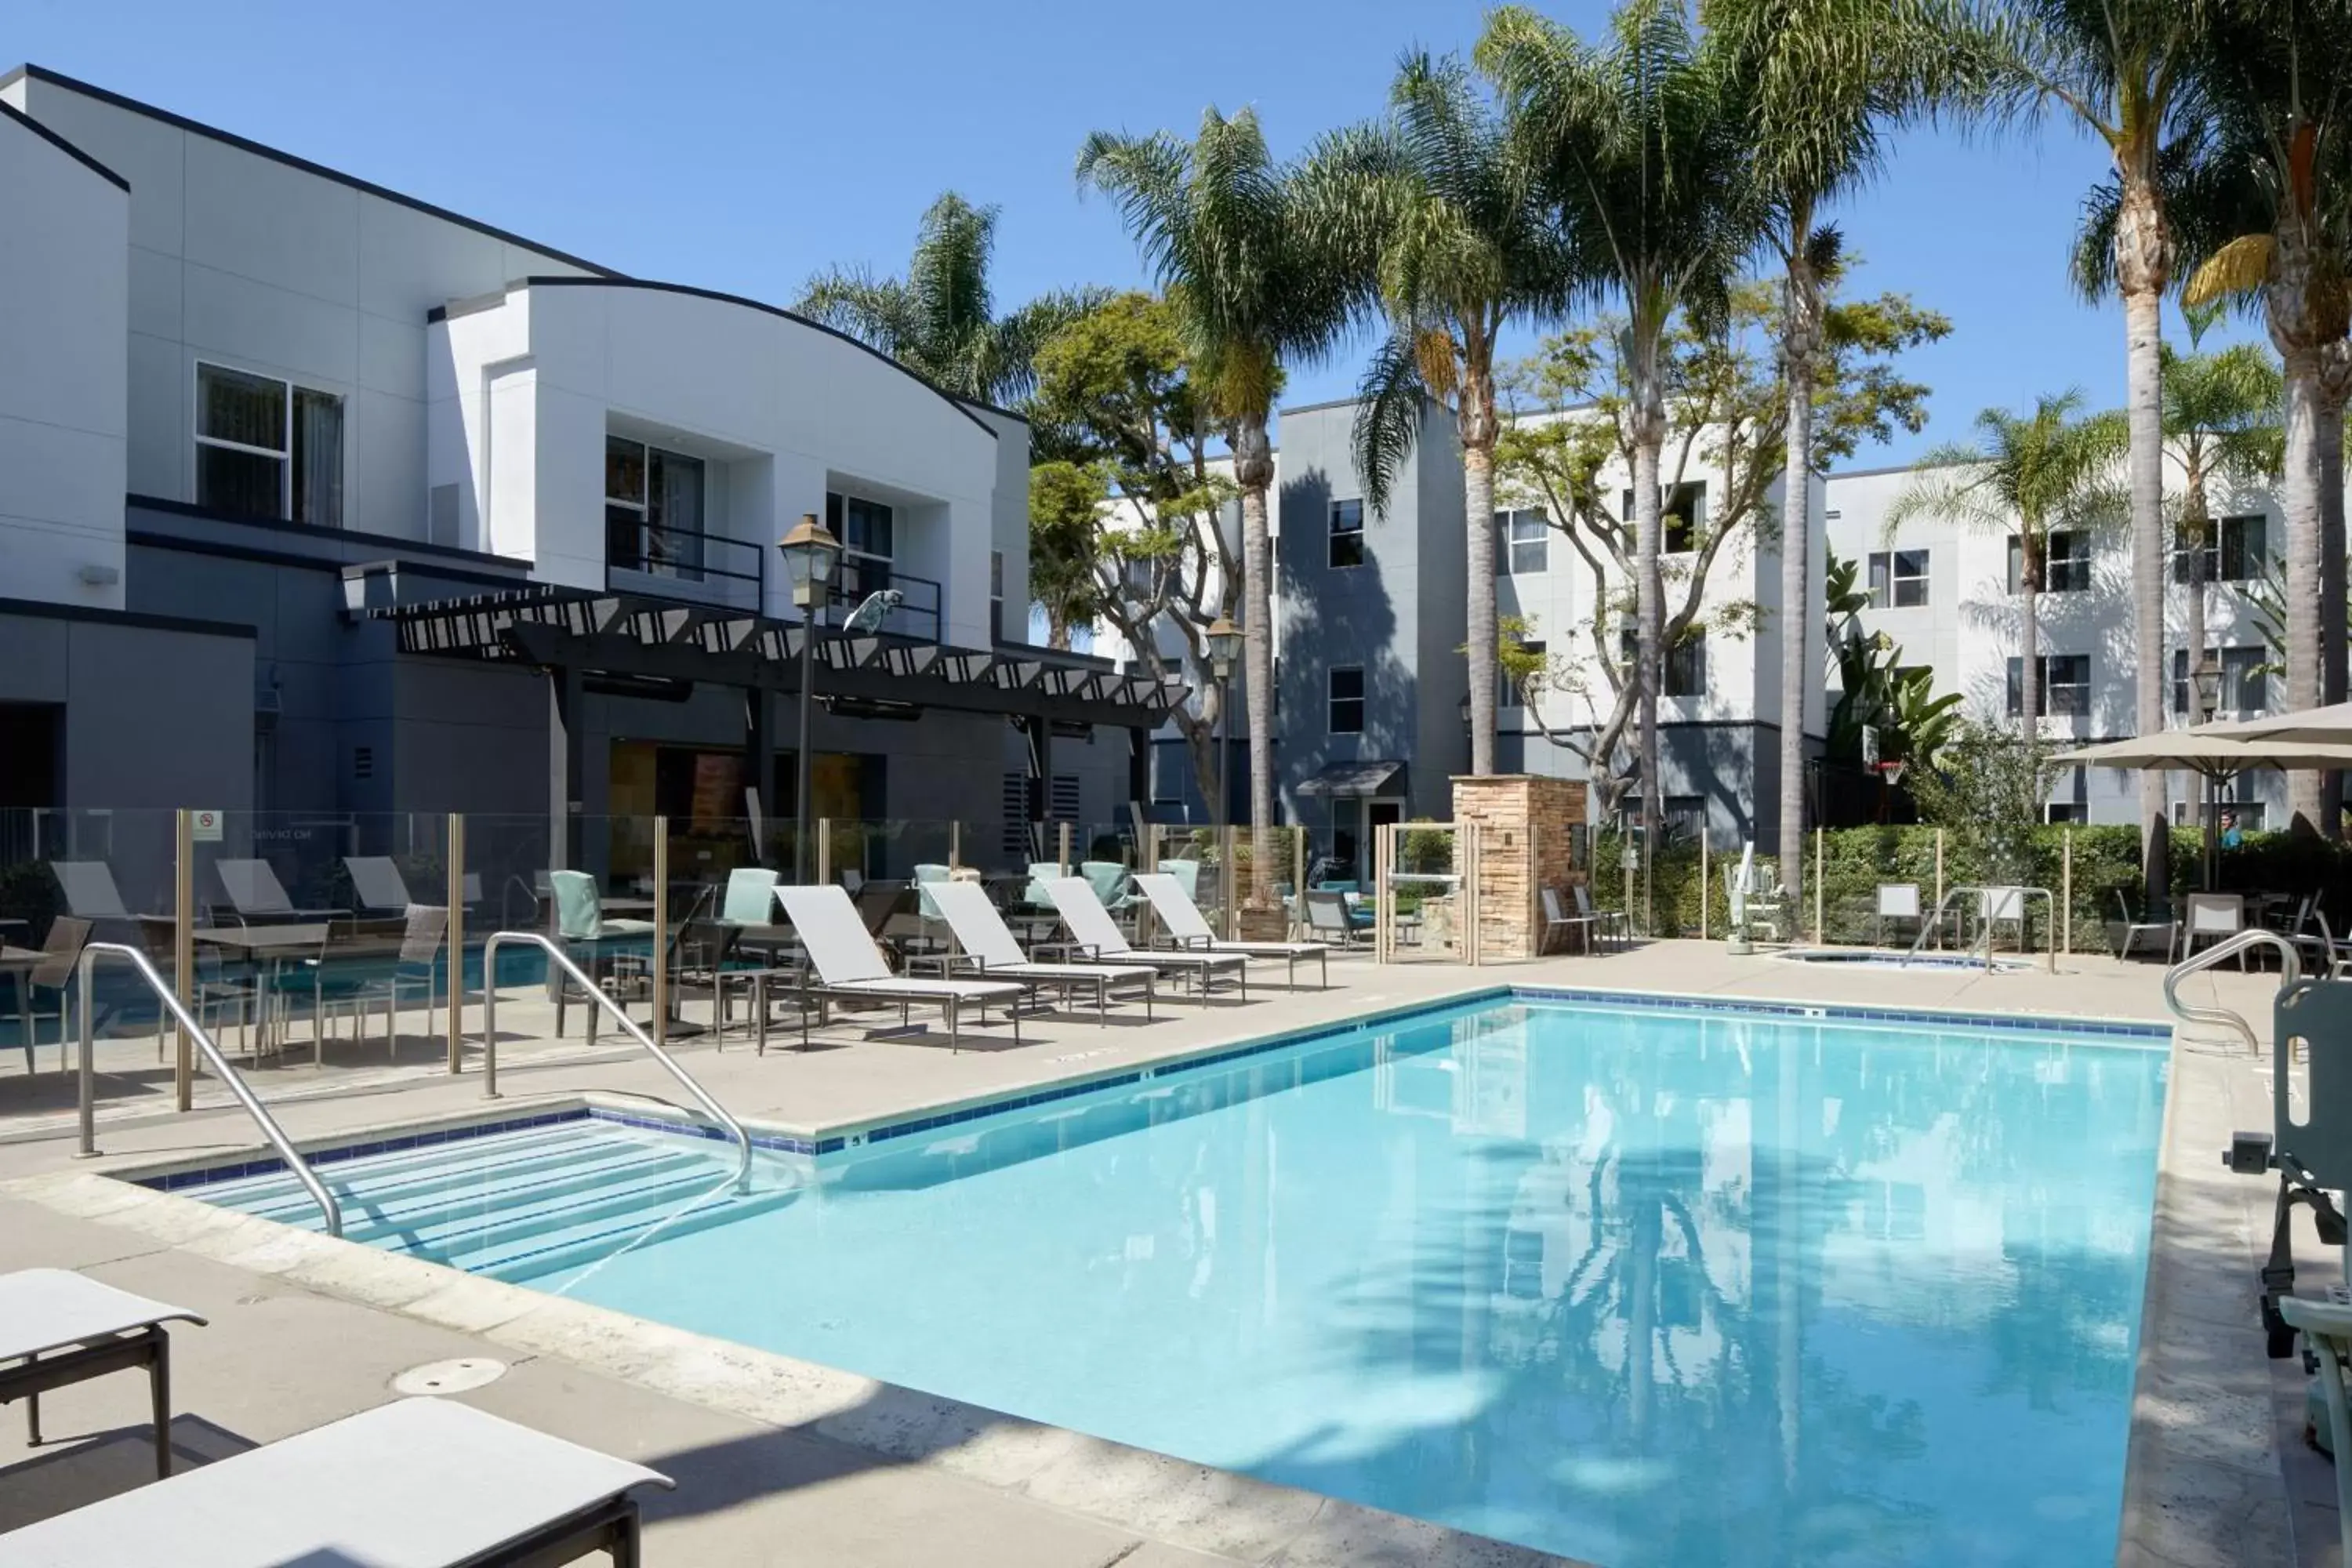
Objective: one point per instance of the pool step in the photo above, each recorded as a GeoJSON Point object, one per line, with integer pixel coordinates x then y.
{"type": "Point", "coordinates": [517, 1203]}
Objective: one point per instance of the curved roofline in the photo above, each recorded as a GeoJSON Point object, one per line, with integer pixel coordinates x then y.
{"type": "Point", "coordinates": [559, 281]}
{"type": "Point", "coordinates": [11, 111]}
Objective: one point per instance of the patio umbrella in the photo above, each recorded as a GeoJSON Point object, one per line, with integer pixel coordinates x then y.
{"type": "Point", "coordinates": [2329, 726]}
{"type": "Point", "coordinates": [2214, 755]}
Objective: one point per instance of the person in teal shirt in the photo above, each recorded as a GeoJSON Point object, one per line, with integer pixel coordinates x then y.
{"type": "Point", "coordinates": [2230, 836]}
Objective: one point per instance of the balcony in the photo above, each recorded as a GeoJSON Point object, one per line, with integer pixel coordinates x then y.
{"type": "Point", "coordinates": [917, 616]}
{"type": "Point", "coordinates": [643, 557]}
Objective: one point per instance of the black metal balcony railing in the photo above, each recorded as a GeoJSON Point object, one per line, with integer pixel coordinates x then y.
{"type": "Point", "coordinates": [686, 563]}
{"type": "Point", "coordinates": [917, 614]}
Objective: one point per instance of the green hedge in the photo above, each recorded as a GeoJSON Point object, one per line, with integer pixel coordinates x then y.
{"type": "Point", "coordinates": [2105, 862]}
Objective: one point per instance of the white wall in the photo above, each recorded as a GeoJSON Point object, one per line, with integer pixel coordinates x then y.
{"type": "Point", "coordinates": [241, 259]}
{"type": "Point", "coordinates": [64, 305]}
{"type": "Point", "coordinates": [791, 411]}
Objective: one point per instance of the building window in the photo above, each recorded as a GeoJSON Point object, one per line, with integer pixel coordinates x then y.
{"type": "Point", "coordinates": [2066, 562]}
{"type": "Point", "coordinates": [1682, 515]}
{"type": "Point", "coordinates": [1346, 533]}
{"type": "Point", "coordinates": [1899, 579]}
{"type": "Point", "coordinates": [2066, 811]}
{"type": "Point", "coordinates": [1347, 690]}
{"type": "Point", "coordinates": [1686, 672]}
{"type": "Point", "coordinates": [869, 535]}
{"type": "Point", "coordinates": [2236, 550]}
{"type": "Point", "coordinates": [2065, 684]}
{"type": "Point", "coordinates": [1686, 817]}
{"type": "Point", "coordinates": [652, 509]}
{"type": "Point", "coordinates": [2249, 813]}
{"type": "Point", "coordinates": [2245, 684]}
{"type": "Point", "coordinates": [1508, 691]}
{"type": "Point", "coordinates": [268, 449]}
{"type": "Point", "coordinates": [1522, 542]}
{"type": "Point", "coordinates": [996, 596]}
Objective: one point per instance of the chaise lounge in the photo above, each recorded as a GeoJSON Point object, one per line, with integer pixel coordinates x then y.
{"type": "Point", "coordinates": [988, 947]}
{"type": "Point", "coordinates": [1190, 929]}
{"type": "Point", "coordinates": [849, 967]}
{"type": "Point", "coordinates": [1098, 936]}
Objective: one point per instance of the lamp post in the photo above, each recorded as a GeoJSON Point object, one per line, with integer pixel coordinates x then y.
{"type": "Point", "coordinates": [812, 557]}
{"type": "Point", "coordinates": [1224, 640]}
{"type": "Point", "coordinates": [2205, 681]}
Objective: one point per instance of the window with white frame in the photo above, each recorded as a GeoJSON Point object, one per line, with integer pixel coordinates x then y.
{"type": "Point", "coordinates": [1899, 579]}
{"type": "Point", "coordinates": [268, 448]}
{"type": "Point", "coordinates": [1522, 542]}
{"type": "Point", "coordinates": [2065, 561]}
{"type": "Point", "coordinates": [652, 509]}
{"type": "Point", "coordinates": [868, 533]}
{"type": "Point", "coordinates": [1346, 701]}
{"type": "Point", "coordinates": [2236, 549]}
{"type": "Point", "coordinates": [2065, 684]}
{"type": "Point", "coordinates": [1685, 662]}
{"type": "Point", "coordinates": [2245, 689]}
{"type": "Point", "coordinates": [1682, 514]}
{"type": "Point", "coordinates": [1346, 533]}
{"type": "Point", "coordinates": [996, 596]}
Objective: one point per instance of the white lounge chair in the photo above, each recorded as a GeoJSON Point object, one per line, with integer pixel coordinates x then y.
{"type": "Point", "coordinates": [848, 965]}
{"type": "Point", "coordinates": [1099, 937]}
{"type": "Point", "coordinates": [1191, 931]}
{"type": "Point", "coordinates": [89, 890]}
{"type": "Point", "coordinates": [989, 945]}
{"type": "Point", "coordinates": [256, 893]}
{"type": "Point", "coordinates": [58, 1327]}
{"type": "Point", "coordinates": [420, 1483]}
{"type": "Point", "coordinates": [381, 889]}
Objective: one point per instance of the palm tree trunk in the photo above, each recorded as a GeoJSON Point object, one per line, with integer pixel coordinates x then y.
{"type": "Point", "coordinates": [2143, 327]}
{"type": "Point", "coordinates": [2029, 635]}
{"type": "Point", "coordinates": [2299, 499]}
{"type": "Point", "coordinates": [2331, 565]}
{"type": "Point", "coordinates": [2195, 527]}
{"type": "Point", "coordinates": [1800, 335]}
{"type": "Point", "coordinates": [1649, 597]}
{"type": "Point", "coordinates": [1478, 501]}
{"type": "Point", "coordinates": [1254, 472]}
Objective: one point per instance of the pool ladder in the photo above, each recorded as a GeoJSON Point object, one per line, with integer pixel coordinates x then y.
{"type": "Point", "coordinates": [2290, 971]}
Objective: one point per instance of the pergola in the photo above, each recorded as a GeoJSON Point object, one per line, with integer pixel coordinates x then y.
{"type": "Point", "coordinates": [571, 633]}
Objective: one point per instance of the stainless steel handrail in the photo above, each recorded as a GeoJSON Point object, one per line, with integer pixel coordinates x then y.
{"type": "Point", "coordinates": [596, 997]}
{"type": "Point", "coordinates": [2290, 971]}
{"type": "Point", "coordinates": [90, 952]}
{"type": "Point", "coordinates": [1984, 938]}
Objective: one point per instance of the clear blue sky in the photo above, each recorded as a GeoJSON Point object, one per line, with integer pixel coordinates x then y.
{"type": "Point", "coordinates": [740, 146]}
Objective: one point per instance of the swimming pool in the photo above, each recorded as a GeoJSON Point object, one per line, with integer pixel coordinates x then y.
{"type": "Point", "coordinates": [1647, 1286]}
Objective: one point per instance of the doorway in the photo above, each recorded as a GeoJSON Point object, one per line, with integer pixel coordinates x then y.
{"type": "Point", "coordinates": [1353, 824]}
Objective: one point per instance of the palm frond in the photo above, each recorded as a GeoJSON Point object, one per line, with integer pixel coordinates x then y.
{"type": "Point", "coordinates": [1387, 417]}
{"type": "Point", "coordinates": [2239, 268]}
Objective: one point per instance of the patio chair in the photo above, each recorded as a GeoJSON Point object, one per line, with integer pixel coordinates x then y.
{"type": "Point", "coordinates": [1186, 875]}
{"type": "Point", "coordinates": [849, 966]}
{"type": "Point", "coordinates": [1109, 880]}
{"type": "Point", "coordinates": [990, 949]}
{"type": "Point", "coordinates": [2127, 931]}
{"type": "Point", "coordinates": [52, 970]}
{"type": "Point", "coordinates": [255, 894]}
{"type": "Point", "coordinates": [750, 897]}
{"type": "Point", "coordinates": [58, 1328]}
{"type": "Point", "coordinates": [1041, 873]}
{"type": "Point", "coordinates": [381, 890]}
{"type": "Point", "coordinates": [90, 891]}
{"type": "Point", "coordinates": [425, 1483]}
{"type": "Point", "coordinates": [1611, 924]}
{"type": "Point", "coordinates": [2215, 917]}
{"type": "Point", "coordinates": [1329, 920]}
{"type": "Point", "coordinates": [1557, 919]}
{"type": "Point", "coordinates": [1897, 902]}
{"type": "Point", "coordinates": [1191, 931]}
{"type": "Point", "coordinates": [1098, 936]}
{"type": "Point", "coordinates": [582, 929]}
{"type": "Point", "coordinates": [415, 968]}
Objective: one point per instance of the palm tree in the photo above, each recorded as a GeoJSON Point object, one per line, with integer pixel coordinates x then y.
{"type": "Point", "coordinates": [2264, 197]}
{"type": "Point", "coordinates": [1641, 146]}
{"type": "Point", "coordinates": [938, 321]}
{"type": "Point", "coordinates": [1458, 243]}
{"type": "Point", "coordinates": [2032, 475]}
{"type": "Point", "coordinates": [2127, 70]}
{"type": "Point", "coordinates": [2220, 423]}
{"type": "Point", "coordinates": [1228, 233]}
{"type": "Point", "coordinates": [1824, 79]}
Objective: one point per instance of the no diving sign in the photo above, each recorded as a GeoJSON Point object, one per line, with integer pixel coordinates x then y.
{"type": "Point", "coordinates": [204, 827]}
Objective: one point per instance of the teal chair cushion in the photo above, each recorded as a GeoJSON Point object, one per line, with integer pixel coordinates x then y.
{"type": "Point", "coordinates": [1186, 874]}
{"type": "Point", "coordinates": [1040, 873]}
{"type": "Point", "coordinates": [578, 908]}
{"type": "Point", "coordinates": [750, 897]}
{"type": "Point", "coordinates": [1107, 878]}
{"type": "Point", "coordinates": [923, 902]}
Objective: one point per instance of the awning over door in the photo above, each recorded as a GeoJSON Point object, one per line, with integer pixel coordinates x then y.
{"type": "Point", "coordinates": [1348, 780]}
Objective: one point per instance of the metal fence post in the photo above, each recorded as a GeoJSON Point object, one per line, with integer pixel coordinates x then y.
{"type": "Point", "coordinates": [2066, 882]}
{"type": "Point", "coordinates": [1821, 860]}
{"type": "Point", "coordinates": [1705, 887]}
{"type": "Point", "coordinates": [823, 849]}
{"type": "Point", "coordinates": [1939, 876]}
{"type": "Point", "coordinates": [1062, 854]}
{"type": "Point", "coordinates": [184, 948]}
{"type": "Point", "coordinates": [455, 857]}
{"type": "Point", "coordinates": [661, 929]}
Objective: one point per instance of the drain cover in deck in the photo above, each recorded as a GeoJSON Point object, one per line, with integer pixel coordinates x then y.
{"type": "Point", "coordinates": [449, 1376]}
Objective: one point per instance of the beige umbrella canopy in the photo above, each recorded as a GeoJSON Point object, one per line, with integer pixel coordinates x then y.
{"type": "Point", "coordinates": [2313, 726]}
{"type": "Point", "coordinates": [2215, 754]}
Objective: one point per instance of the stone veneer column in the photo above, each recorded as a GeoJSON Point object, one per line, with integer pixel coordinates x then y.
{"type": "Point", "coordinates": [1523, 821]}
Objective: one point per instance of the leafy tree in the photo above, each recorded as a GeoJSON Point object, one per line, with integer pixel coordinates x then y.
{"type": "Point", "coordinates": [1985, 790]}
{"type": "Point", "coordinates": [1727, 418]}
{"type": "Point", "coordinates": [1459, 243]}
{"type": "Point", "coordinates": [938, 321]}
{"type": "Point", "coordinates": [1128, 516]}
{"type": "Point", "coordinates": [1876, 691]}
{"type": "Point", "coordinates": [2032, 475]}
{"type": "Point", "coordinates": [1643, 148]}
{"type": "Point", "coordinates": [1824, 81]}
{"type": "Point", "coordinates": [1255, 283]}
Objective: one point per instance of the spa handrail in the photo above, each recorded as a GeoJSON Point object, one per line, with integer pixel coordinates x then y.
{"type": "Point", "coordinates": [2290, 971]}
{"type": "Point", "coordinates": [596, 997]}
{"type": "Point", "coordinates": [90, 952]}
{"type": "Point", "coordinates": [1984, 939]}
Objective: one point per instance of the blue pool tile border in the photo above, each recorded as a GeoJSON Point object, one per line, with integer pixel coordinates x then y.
{"type": "Point", "coordinates": [835, 1144]}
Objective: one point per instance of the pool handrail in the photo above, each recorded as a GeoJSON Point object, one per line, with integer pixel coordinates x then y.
{"type": "Point", "coordinates": [620, 1015]}
{"type": "Point", "coordinates": [332, 1211]}
{"type": "Point", "coordinates": [1984, 939]}
{"type": "Point", "coordinates": [2290, 973]}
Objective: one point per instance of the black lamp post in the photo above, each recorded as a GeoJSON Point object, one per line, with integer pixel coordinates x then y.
{"type": "Point", "coordinates": [812, 557]}
{"type": "Point", "coordinates": [1224, 640]}
{"type": "Point", "coordinates": [2205, 681]}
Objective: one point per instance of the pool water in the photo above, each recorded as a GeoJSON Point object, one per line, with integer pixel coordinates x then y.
{"type": "Point", "coordinates": [1648, 1288]}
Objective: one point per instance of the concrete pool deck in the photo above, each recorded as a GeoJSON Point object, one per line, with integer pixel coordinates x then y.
{"type": "Point", "coordinates": [778, 1460]}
